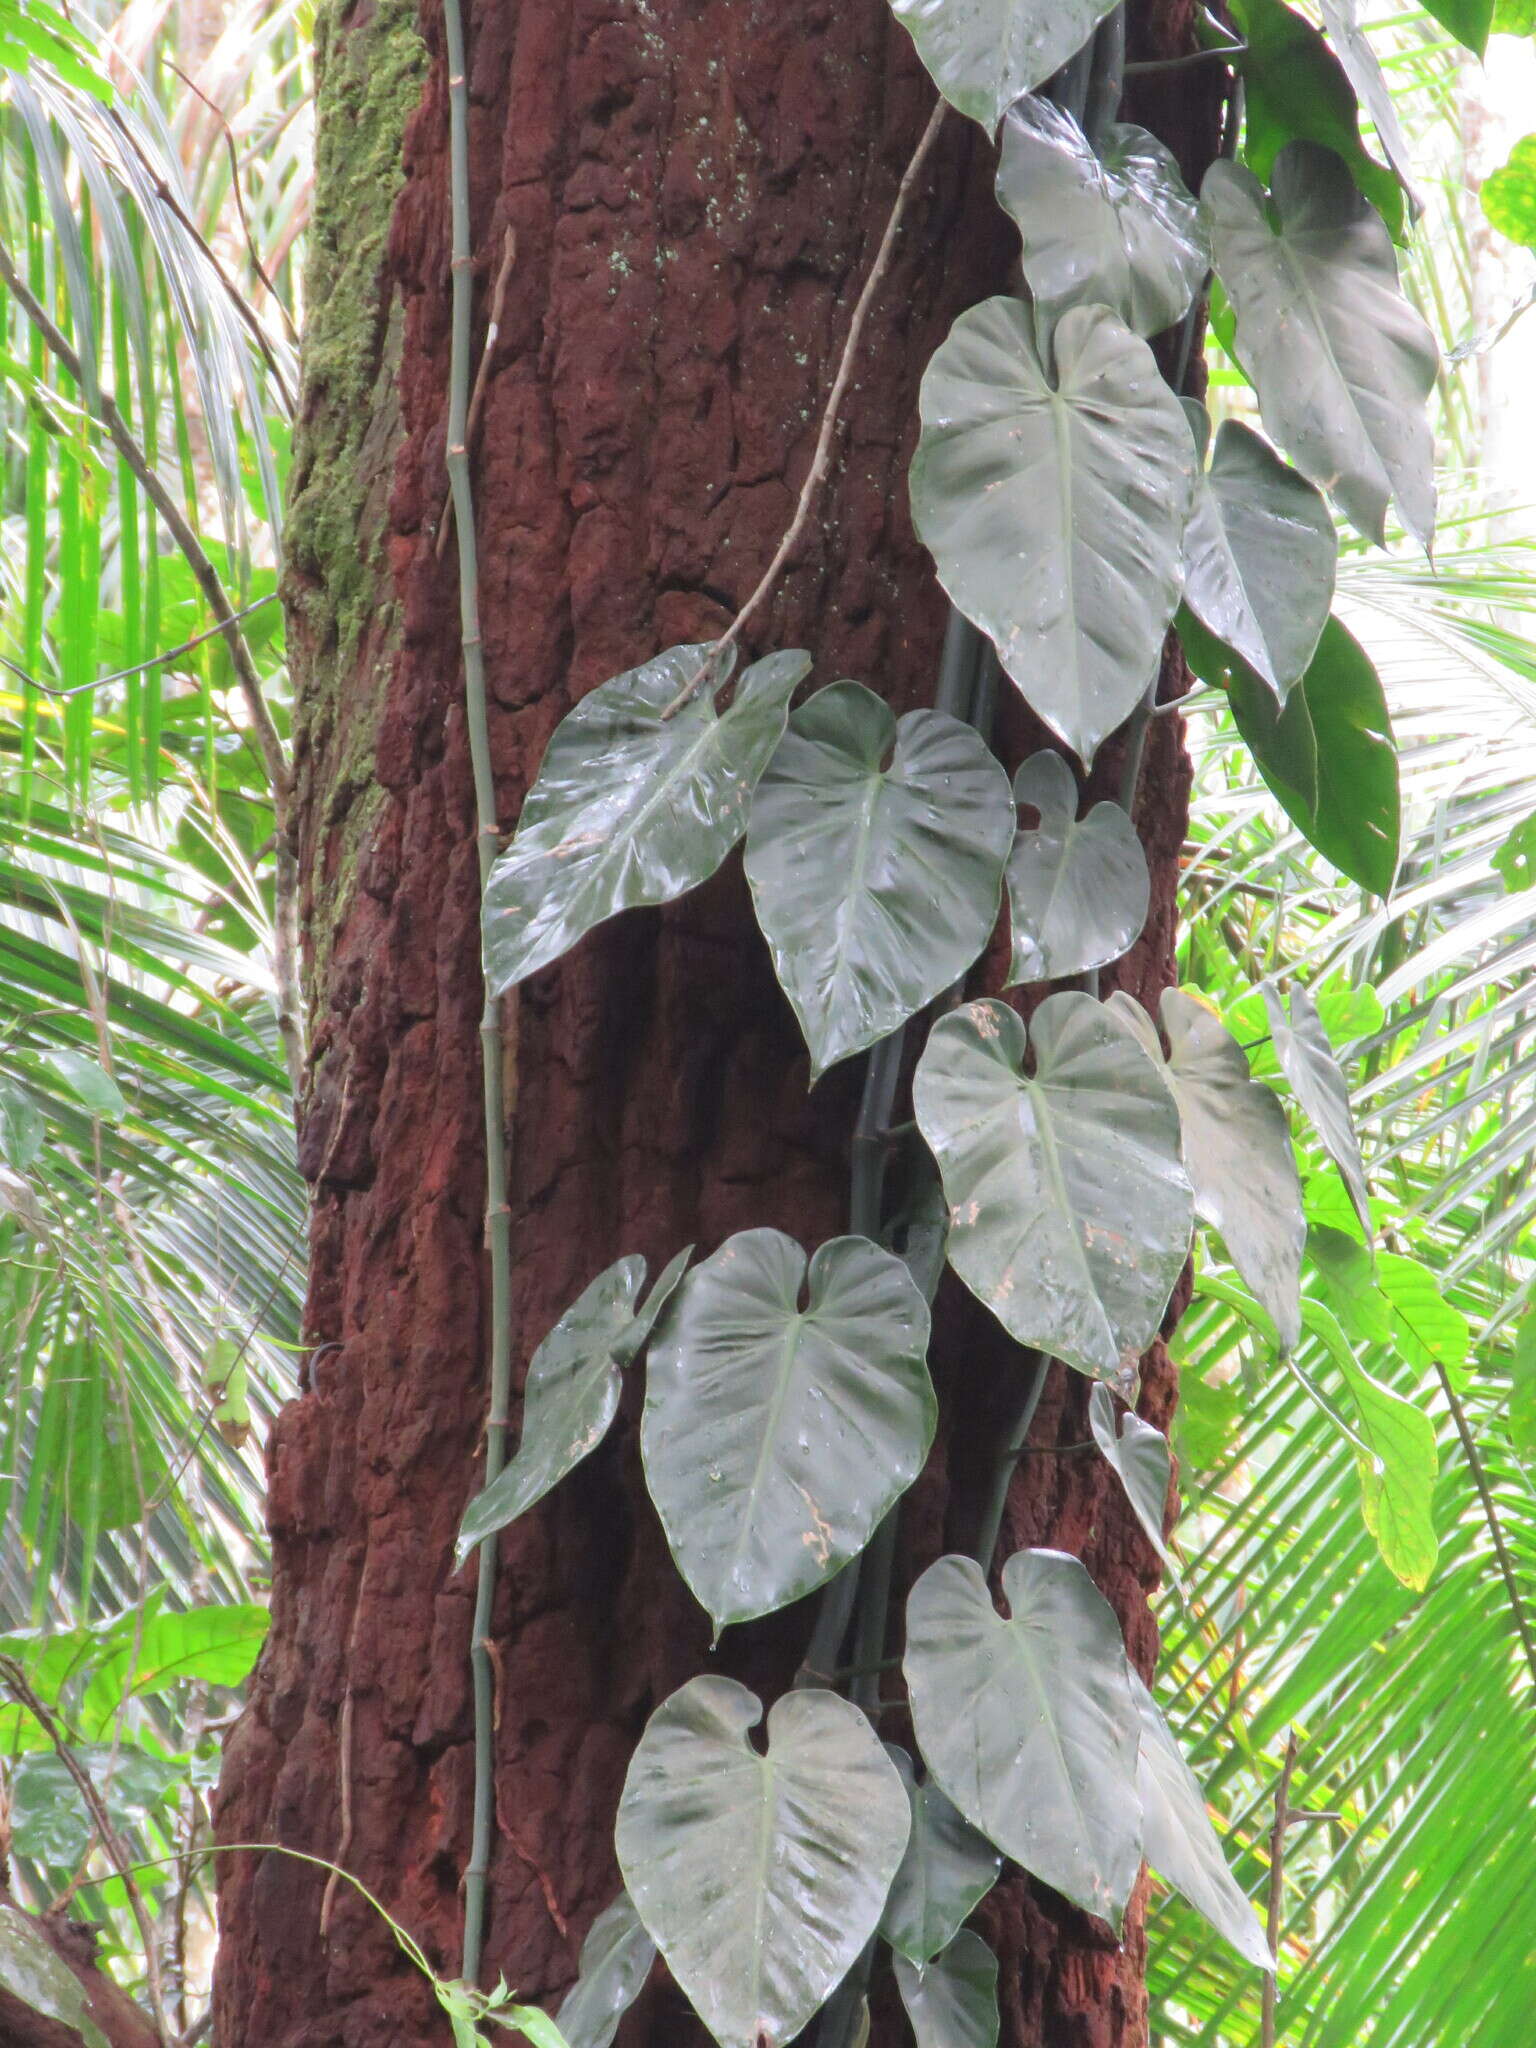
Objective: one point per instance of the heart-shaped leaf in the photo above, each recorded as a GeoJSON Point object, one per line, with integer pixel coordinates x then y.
{"type": "Point", "coordinates": [952, 2001]}
{"type": "Point", "coordinates": [760, 1878]}
{"type": "Point", "coordinates": [572, 1391]}
{"type": "Point", "coordinates": [1260, 553]}
{"type": "Point", "coordinates": [982, 54]}
{"type": "Point", "coordinates": [1077, 890]}
{"type": "Point", "coordinates": [1119, 228]}
{"type": "Point", "coordinates": [876, 886]}
{"type": "Point", "coordinates": [1508, 194]}
{"type": "Point", "coordinates": [1055, 507]}
{"type": "Point", "coordinates": [1328, 755]}
{"type": "Point", "coordinates": [947, 1871]}
{"type": "Point", "coordinates": [1138, 1455]}
{"type": "Point", "coordinates": [1237, 1151]}
{"type": "Point", "coordinates": [631, 807]}
{"type": "Point", "coordinates": [1179, 1841]}
{"type": "Point", "coordinates": [1070, 1212]}
{"type": "Point", "coordinates": [31, 1972]}
{"type": "Point", "coordinates": [1308, 1061]}
{"type": "Point", "coordinates": [616, 1959]}
{"type": "Point", "coordinates": [776, 1437]}
{"type": "Point", "coordinates": [1029, 1724]}
{"type": "Point", "coordinates": [1341, 361]}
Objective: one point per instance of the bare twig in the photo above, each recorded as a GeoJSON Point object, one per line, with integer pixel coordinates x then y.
{"type": "Point", "coordinates": [121, 675]}
{"type": "Point", "coordinates": [234, 181]}
{"type": "Point", "coordinates": [290, 1007]}
{"type": "Point", "coordinates": [1491, 1517]}
{"type": "Point", "coordinates": [20, 1688]}
{"type": "Point", "coordinates": [482, 375]}
{"type": "Point", "coordinates": [816, 475]}
{"type": "Point", "coordinates": [1277, 1886]}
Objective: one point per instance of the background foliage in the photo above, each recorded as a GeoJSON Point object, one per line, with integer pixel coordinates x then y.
{"type": "Point", "coordinates": [153, 192]}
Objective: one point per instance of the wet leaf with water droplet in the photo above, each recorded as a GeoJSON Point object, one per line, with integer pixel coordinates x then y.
{"type": "Point", "coordinates": [776, 1438]}
{"type": "Point", "coordinates": [1029, 1724]}
{"type": "Point", "coordinates": [760, 1878]}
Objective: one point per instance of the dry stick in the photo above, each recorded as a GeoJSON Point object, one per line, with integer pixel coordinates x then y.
{"type": "Point", "coordinates": [816, 475]}
{"type": "Point", "coordinates": [285, 922]}
{"type": "Point", "coordinates": [1277, 1886]}
{"type": "Point", "coordinates": [234, 185]}
{"type": "Point", "coordinates": [16, 1682]}
{"type": "Point", "coordinates": [1491, 1516]}
{"type": "Point", "coordinates": [482, 375]}
{"type": "Point", "coordinates": [138, 668]}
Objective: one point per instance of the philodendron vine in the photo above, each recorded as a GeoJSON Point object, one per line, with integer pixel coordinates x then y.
{"type": "Point", "coordinates": [1077, 507]}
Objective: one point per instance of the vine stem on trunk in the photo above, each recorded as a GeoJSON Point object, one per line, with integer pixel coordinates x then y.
{"type": "Point", "coordinates": [498, 1217]}
{"type": "Point", "coordinates": [821, 460]}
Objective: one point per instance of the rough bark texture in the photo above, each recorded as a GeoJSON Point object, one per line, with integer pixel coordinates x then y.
{"type": "Point", "coordinates": [695, 187]}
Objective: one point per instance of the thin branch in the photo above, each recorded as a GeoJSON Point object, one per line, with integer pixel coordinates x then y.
{"type": "Point", "coordinates": [17, 1683]}
{"type": "Point", "coordinates": [290, 1004]}
{"type": "Point", "coordinates": [482, 375]}
{"type": "Point", "coordinates": [1491, 1516]}
{"type": "Point", "coordinates": [1277, 1887]}
{"type": "Point", "coordinates": [244, 312]}
{"type": "Point", "coordinates": [821, 460]}
{"type": "Point", "coordinates": [139, 668]}
{"type": "Point", "coordinates": [1153, 67]}
{"type": "Point", "coordinates": [234, 184]}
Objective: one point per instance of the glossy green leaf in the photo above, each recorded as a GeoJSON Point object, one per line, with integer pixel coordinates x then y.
{"type": "Point", "coordinates": [1070, 1212]}
{"type": "Point", "coordinates": [145, 1655]}
{"type": "Point", "coordinates": [1138, 1455]}
{"type": "Point", "coordinates": [30, 1971]}
{"type": "Point", "coordinates": [1116, 228]}
{"type": "Point", "coordinates": [616, 1959]}
{"type": "Point", "coordinates": [777, 1436]}
{"type": "Point", "coordinates": [875, 853]}
{"type": "Point", "coordinates": [952, 2000]}
{"type": "Point", "coordinates": [1340, 359]}
{"type": "Point", "coordinates": [760, 1878]}
{"type": "Point", "coordinates": [1329, 756]}
{"type": "Point", "coordinates": [630, 807]}
{"type": "Point", "coordinates": [1508, 194]}
{"type": "Point", "coordinates": [1179, 1841]}
{"type": "Point", "coordinates": [1028, 1724]}
{"type": "Point", "coordinates": [982, 54]}
{"type": "Point", "coordinates": [1260, 552]}
{"type": "Point", "coordinates": [52, 1827]}
{"type": "Point", "coordinates": [1054, 505]}
{"type": "Point", "coordinates": [1469, 21]}
{"type": "Point", "coordinates": [226, 1381]}
{"type": "Point", "coordinates": [1077, 889]}
{"type": "Point", "coordinates": [1236, 1147]}
{"type": "Point", "coordinates": [1309, 1063]}
{"type": "Point", "coordinates": [1297, 91]}
{"type": "Point", "coordinates": [947, 1871]}
{"type": "Point", "coordinates": [572, 1392]}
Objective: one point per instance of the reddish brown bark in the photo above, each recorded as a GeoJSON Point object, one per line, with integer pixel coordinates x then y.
{"type": "Point", "coordinates": [695, 187]}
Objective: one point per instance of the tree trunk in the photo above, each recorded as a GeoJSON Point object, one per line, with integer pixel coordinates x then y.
{"type": "Point", "coordinates": [694, 189]}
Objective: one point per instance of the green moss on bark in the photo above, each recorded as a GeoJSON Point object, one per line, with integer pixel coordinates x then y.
{"type": "Point", "coordinates": [370, 63]}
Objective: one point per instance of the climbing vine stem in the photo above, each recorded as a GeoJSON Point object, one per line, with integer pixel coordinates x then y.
{"type": "Point", "coordinates": [498, 1219]}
